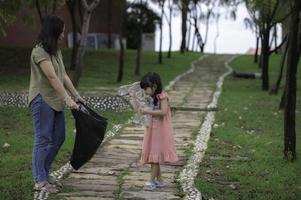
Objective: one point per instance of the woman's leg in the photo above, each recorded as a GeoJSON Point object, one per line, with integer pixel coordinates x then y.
{"type": "Point", "coordinates": [43, 120]}
{"type": "Point", "coordinates": [58, 138]}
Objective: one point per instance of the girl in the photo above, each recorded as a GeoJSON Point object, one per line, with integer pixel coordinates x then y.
{"type": "Point", "coordinates": [48, 92]}
{"type": "Point", "coordinates": [158, 143]}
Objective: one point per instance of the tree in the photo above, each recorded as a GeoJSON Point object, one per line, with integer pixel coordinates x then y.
{"type": "Point", "coordinates": [291, 83]}
{"type": "Point", "coordinates": [123, 9]}
{"type": "Point", "coordinates": [140, 19]}
{"type": "Point", "coordinates": [43, 8]}
{"type": "Point", "coordinates": [275, 88]}
{"type": "Point", "coordinates": [74, 7]}
{"type": "Point", "coordinates": [161, 5]}
{"type": "Point", "coordinates": [88, 9]}
{"type": "Point", "coordinates": [184, 11]}
{"type": "Point", "coordinates": [109, 23]}
{"type": "Point", "coordinates": [149, 22]}
{"type": "Point", "coordinates": [198, 16]}
{"type": "Point", "coordinates": [268, 18]}
{"type": "Point", "coordinates": [252, 23]}
{"type": "Point", "coordinates": [169, 21]}
{"type": "Point", "coordinates": [8, 12]}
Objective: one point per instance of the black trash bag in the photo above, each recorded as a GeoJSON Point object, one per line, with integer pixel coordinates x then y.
{"type": "Point", "coordinates": [90, 132]}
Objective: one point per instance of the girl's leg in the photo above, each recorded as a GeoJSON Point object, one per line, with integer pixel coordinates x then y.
{"type": "Point", "coordinates": [153, 172]}
{"type": "Point", "coordinates": [159, 177]}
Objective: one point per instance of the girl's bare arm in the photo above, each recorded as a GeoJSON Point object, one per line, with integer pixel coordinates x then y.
{"type": "Point", "coordinates": [163, 111]}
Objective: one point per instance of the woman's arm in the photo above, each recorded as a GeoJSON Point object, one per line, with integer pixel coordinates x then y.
{"type": "Point", "coordinates": [163, 111]}
{"type": "Point", "coordinates": [49, 72]}
{"type": "Point", "coordinates": [69, 86]}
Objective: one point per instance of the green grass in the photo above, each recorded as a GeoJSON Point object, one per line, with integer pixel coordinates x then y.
{"type": "Point", "coordinates": [16, 124]}
{"type": "Point", "coordinates": [15, 163]}
{"type": "Point", "coordinates": [251, 126]}
{"type": "Point", "coordinates": [100, 69]}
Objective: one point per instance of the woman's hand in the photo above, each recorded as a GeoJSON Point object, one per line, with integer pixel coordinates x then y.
{"type": "Point", "coordinates": [78, 98]}
{"type": "Point", "coordinates": [70, 103]}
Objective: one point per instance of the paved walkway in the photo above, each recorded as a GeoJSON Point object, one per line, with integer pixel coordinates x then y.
{"type": "Point", "coordinates": [115, 173]}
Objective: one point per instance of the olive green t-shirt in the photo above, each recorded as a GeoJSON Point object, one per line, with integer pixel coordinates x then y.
{"type": "Point", "coordinates": [39, 84]}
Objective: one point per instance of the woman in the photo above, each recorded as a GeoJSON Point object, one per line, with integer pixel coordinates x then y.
{"type": "Point", "coordinates": [48, 93]}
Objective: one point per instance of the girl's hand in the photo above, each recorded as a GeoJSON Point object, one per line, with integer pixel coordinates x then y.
{"type": "Point", "coordinates": [132, 94]}
{"type": "Point", "coordinates": [142, 111]}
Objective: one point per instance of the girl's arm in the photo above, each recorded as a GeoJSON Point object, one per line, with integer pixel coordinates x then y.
{"type": "Point", "coordinates": [133, 102]}
{"type": "Point", "coordinates": [163, 111]}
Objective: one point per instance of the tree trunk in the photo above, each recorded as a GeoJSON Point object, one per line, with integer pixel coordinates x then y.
{"type": "Point", "coordinates": [161, 32]}
{"type": "Point", "coordinates": [82, 48]}
{"type": "Point", "coordinates": [184, 26]}
{"type": "Point", "coordinates": [275, 38]}
{"type": "Point", "coordinates": [290, 101]}
{"type": "Point", "coordinates": [46, 7]}
{"type": "Point", "coordinates": [138, 55]}
{"type": "Point", "coordinates": [189, 34]}
{"type": "Point", "coordinates": [54, 5]}
{"type": "Point", "coordinates": [121, 60]}
{"type": "Point", "coordinates": [170, 41]}
{"type": "Point", "coordinates": [71, 5]}
{"type": "Point", "coordinates": [121, 52]}
{"type": "Point", "coordinates": [275, 88]}
{"type": "Point", "coordinates": [256, 51]}
{"type": "Point", "coordinates": [282, 101]}
{"type": "Point", "coordinates": [38, 7]}
{"type": "Point", "coordinates": [109, 23]}
{"type": "Point", "coordinates": [170, 30]}
{"type": "Point", "coordinates": [265, 59]}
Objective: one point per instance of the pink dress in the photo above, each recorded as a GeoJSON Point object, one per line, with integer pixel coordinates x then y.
{"type": "Point", "coordinates": [158, 143]}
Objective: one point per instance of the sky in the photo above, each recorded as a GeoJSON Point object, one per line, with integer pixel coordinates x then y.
{"type": "Point", "coordinates": [233, 35]}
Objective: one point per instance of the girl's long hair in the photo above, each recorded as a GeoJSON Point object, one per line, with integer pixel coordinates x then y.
{"type": "Point", "coordinates": [152, 79]}
{"type": "Point", "coordinates": [52, 27]}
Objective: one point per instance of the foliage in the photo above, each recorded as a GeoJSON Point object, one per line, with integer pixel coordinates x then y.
{"type": "Point", "coordinates": [149, 21]}
{"type": "Point", "coordinates": [8, 12]}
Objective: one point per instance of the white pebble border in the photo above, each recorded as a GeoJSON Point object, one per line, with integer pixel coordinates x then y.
{"type": "Point", "coordinates": [66, 169]}
{"type": "Point", "coordinates": [190, 170]}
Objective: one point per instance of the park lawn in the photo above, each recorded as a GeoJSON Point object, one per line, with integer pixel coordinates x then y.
{"type": "Point", "coordinates": [100, 69]}
{"type": "Point", "coordinates": [249, 125]}
{"type": "Point", "coordinates": [16, 124]}
{"type": "Point", "coordinates": [15, 162]}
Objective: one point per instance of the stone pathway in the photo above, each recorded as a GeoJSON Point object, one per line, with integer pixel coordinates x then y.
{"type": "Point", "coordinates": [115, 173]}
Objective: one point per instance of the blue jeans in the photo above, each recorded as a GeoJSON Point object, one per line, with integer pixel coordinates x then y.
{"type": "Point", "coordinates": [49, 135]}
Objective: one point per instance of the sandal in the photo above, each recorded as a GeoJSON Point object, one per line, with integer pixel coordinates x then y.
{"type": "Point", "coordinates": [159, 184]}
{"type": "Point", "coordinates": [52, 180]}
{"type": "Point", "coordinates": [46, 187]}
{"type": "Point", "coordinates": [150, 186]}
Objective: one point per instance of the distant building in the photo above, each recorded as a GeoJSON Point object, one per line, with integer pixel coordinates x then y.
{"type": "Point", "coordinates": [20, 34]}
{"type": "Point", "coordinates": [148, 41]}
{"type": "Point", "coordinates": [252, 51]}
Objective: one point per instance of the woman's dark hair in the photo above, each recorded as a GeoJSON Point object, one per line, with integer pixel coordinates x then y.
{"type": "Point", "coordinates": [152, 79]}
{"type": "Point", "coordinates": [52, 27]}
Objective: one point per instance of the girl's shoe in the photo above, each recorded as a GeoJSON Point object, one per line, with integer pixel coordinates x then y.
{"type": "Point", "coordinates": [159, 184]}
{"type": "Point", "coordinates": [46, 187]}
{"type": "Point", "coordinates": [150, 186]}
